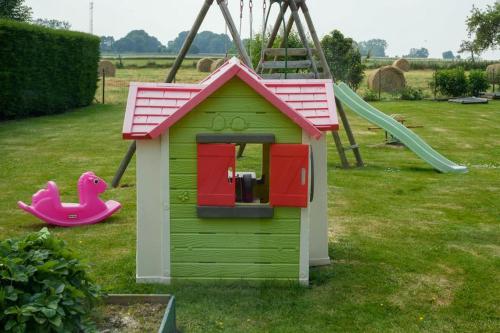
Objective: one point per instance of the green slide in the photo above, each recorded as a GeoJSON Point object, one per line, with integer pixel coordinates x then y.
{"type": "Point", "coordinates": [410, 139]}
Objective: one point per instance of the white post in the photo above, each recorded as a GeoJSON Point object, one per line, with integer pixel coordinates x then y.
{"type": "Point", "coordinates": [153, 206]}
{"type": "Point", "coordinates": [318, 216]}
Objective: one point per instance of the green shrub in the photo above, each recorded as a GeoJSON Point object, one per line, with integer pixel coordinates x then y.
{"type": "Point", "coordinates": [450, 82]}
{"type": "Point", "coordinates": [344, 58]}
{"type": "Point", "coordinates": [478, 82]}
{"type": "Point", "coordinates": [370, 95]}
{"type": "Point", "coordinates": [433, 64]}
{"type": "Point", "coordinates": [412, 94]}
{"type": "Point", "coordinates": [43, 286]}
{"type": "Point", "coordinates": [45, 71]}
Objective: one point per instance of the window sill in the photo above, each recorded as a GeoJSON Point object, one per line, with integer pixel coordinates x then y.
{"type": "Point", "coordinates": [250, 212]}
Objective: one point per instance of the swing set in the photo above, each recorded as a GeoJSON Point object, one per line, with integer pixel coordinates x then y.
{"type": "Point", "coordinates": [274, 62]}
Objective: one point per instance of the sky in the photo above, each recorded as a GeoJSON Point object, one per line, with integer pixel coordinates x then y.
{"type": "Point", "coordinates": [438, 25]}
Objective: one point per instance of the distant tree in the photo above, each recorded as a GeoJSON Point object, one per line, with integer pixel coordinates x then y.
{"type": "Point", "coordinates": [54, 24]}
{"type": "Point", "coordinates": [204, 42]}
{"type": "Point", "coordinates": [194, 49]}
{"type": "Point", "coordinates": [418, 53]}
{"type": "Point", "coordinates": [470, 47]}
{"type": "Point", "coordinates": [209, 42]}
{"type": "Point", "coordinates": [373, 47]}
{"type": "Point", "coordinates": [343, 58]}
{"type": "Point", "coordinates": [15, 10]}
{"type": "Point", "coordinates": [138, 41]}
{"type": "Point", "coordinates": [483, 27]}
{"type": "Point", "coordinates": [448, 55]}
{"type": "Point", "coordinates": [175, 45]}
{"type": "Point", "coordinates": [107, 44]}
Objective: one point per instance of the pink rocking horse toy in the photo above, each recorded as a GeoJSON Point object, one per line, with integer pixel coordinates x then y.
{"type": "Point", "coordinates": [46, 204]}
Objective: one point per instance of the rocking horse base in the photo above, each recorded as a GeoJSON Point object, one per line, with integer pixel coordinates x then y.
{"type": "Point", "coordinates": [111, 207]}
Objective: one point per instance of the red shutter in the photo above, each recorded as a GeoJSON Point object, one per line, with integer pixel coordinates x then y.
{"type": "Point", "coordinates": [215, 187]}
{"type": "Point", "coordinates": [289, 172]}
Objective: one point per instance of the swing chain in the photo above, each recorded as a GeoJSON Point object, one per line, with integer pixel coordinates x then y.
{"type": "Point", "coordinates": [226, 35]}
{"type": "Point", "coordinates": [250, 6]}
{"type": "Point", "coordinates": [263, 31]}
{"type": "Point", "coordinates": [242, 4]}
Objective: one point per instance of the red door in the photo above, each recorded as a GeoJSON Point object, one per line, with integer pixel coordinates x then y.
{"type": "Point", "coordinates": [216, 174]}
{"type": "Point", "coordinates": [289, 172]}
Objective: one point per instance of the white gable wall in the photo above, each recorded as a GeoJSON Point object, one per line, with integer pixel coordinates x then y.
{"type": "Point", "coordinates": [318, 208]}
{"type": "Point", "coordinates": [153, 206]}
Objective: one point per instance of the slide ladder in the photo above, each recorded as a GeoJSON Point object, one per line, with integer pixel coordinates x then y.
{"type": "Point", "coordinates": [398, 130]}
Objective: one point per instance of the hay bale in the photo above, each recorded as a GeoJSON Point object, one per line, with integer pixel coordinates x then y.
{"type": "Point", "coordinates": [217, 63]}
{"type": "Point", "coordinates": [390, 79]}
{"type": "Point", "coordinates": [204, 65]}
{"type": "Point", "coordinates": [402, 64]}
{"type": "Point", "coordinates": [108, 68]}
{"type": "Point", "coordinates": [493, 72]}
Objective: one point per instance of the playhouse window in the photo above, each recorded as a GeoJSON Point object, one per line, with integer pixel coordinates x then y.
{"type": "Point", "coordinates": [269, 175]}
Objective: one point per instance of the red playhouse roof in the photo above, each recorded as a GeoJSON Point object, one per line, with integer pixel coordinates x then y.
{"type": "Point", "coordinates": [154, 107]}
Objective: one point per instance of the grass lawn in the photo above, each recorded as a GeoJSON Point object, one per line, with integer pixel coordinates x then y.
{"type": "Point", "coordinates": [413, 250]}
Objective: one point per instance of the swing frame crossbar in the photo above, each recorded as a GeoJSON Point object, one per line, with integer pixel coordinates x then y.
{"type": "Point", "coordinates": [294, 6]}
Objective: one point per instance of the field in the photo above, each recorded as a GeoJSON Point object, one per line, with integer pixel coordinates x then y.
{"type": "Point", "coordinates": [416, 79]}
{"type": "Point", "coordinates": [116, 87]}
{"type": "Point", "coordinates": [413, 250]}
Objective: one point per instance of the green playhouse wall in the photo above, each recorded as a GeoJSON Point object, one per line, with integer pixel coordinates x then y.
{"type": "Point", "coordinates": [229, 248]}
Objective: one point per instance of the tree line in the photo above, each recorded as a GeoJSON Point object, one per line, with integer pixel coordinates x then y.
{"type": "Point", "coordinates": [138, 41]}
{"type": "Point", "coordinates": [483, 27]}
{"type": "Point", "coordinates": [208, 42]}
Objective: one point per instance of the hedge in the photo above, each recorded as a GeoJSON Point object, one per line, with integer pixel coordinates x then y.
{"type": "Point", "coordinates": [45, 71]}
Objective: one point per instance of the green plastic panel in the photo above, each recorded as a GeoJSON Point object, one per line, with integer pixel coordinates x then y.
{"type": "Point", "coordinates": [229, 248]}
{"type": "Point", "coordinates": [235, 270]}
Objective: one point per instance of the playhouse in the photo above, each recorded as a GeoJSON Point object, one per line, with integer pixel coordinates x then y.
{"type": "Point", "coordinates": [199, 215]}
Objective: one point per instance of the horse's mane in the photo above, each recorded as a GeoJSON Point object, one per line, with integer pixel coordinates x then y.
{"type": "Point", "coordinates": [82, 179]}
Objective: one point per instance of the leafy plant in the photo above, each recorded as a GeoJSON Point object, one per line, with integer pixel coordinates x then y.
{"type": "Point", "coordinates": [450, 82]}
{"type": "Point", "coordinates": [483, 26]}
{"type": "Point", "coordinates": [344, 58]}
{"type": "Point", "coordinates": [45, 71]}
{"type": "Point", "coordinates": [15, 10]}
{"type": "Point", "coordinates": [412, 94]}
{"type": "Point", "coordinates": [43, 286]}
{"type": "Point", "coordinates": [370, 95]}
{"type": "Point", "coordinates": [478, 81]}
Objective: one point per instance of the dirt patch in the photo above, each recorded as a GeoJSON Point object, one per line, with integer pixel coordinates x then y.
{"type": "Point", "coordinates": [436, 289]}
{"type": "Point", "coordinates": [134, 318]}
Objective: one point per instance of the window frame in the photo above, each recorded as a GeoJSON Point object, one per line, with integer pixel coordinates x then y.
{"type": "Point", "coordinates": [238, 211]}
